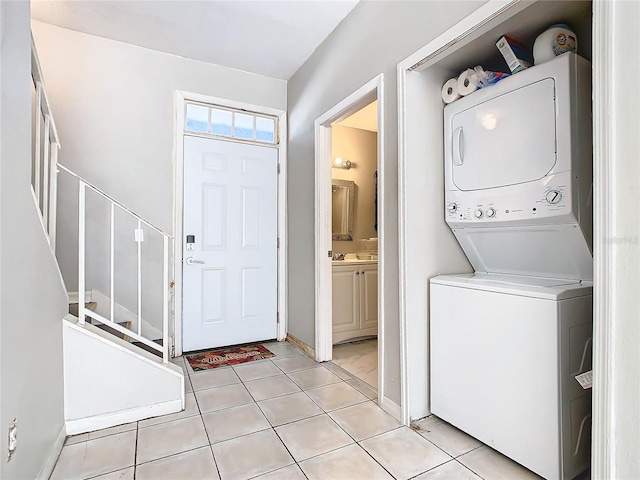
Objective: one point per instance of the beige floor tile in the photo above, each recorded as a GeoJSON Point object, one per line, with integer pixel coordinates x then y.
{"type": "Point", "coordinates": [364, 388]}
{"type": "Point", "coordinates": [337, 395]}
{"type": "Point", "coordinates": [190, 409]}
{"type": "Point", "coordinates": [188, 388]}
{"type": "Point", "coordinates": [170, 438]}
{"type": "Point", "coordinates": [347, 463]}
{"type": "Point", "coordinates": [194, 464]}
{"type": "Point", "coordinates": [257, 370]}
{"type": "Point", "coordinates": [313, 378]}
{"type": "Point", "coordinates": [223, 397]}
{"type": "Point", "coordinates": [312, 436]}
{"type": "Point", "coordinates": [213, 378]}
{"type": "Point", "coordinates": [73, 439]}
{"type": "Point", "coordinates": [96, 457]}
{"type": "Point", "coordinates": [449, 471]}
{"type": "Point", "coordinates": [234, 422]}
{"type": "Point", "coordinates": [364, 420]}
{"type": "Point", "coordinates": [293, 364]}
{"type": "Point", "coordinates": [404, 453]}
{"type": "Point", "coordinates": [292, 472]}
{"type": "Point", "coordinates": [271, 387]}
{"type": "Point", "coordinates": [284, 350]}
{"type": "Point", "coordinates": [187, 367]}
{"type": "Point", "coordinates": [251, 455]}
{"type": "Point", "coordinates": [289, 408]}
{"type": "Point", "coordinates": [359, 358]}
{"type": "Point", "coordinates": [180, 362]}
{"type": "Point", "coordinates": [113, 430]}
{"type": "Point", "coordinates": [453, 441]}
{"type": "Point", "coordinates": [488, 463]}
{"type": "Point", "coordinates": [126, 474]}
{"type": "Point", "coordinates": [340, 372]}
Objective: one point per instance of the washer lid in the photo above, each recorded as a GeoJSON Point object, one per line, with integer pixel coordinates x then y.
{"type": "Point", "coordinates": [506, 140]}
{"type": "Point", "coordinates": [536, 287]}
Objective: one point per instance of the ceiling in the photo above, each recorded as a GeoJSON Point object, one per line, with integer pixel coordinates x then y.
{"type": "Point", "coordinates": [269, 37]}
{"type": "Point", "coordinates": [366, 118]}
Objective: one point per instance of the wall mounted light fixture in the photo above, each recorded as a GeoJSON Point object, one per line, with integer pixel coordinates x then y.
{"type": "Point", "coordinates": [340, 163]}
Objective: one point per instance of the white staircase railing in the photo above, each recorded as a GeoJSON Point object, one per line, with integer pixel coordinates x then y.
{"type": "Point", "coordinates": [45, 146]}
{"type": "Point", "coordinates": [84, 312]}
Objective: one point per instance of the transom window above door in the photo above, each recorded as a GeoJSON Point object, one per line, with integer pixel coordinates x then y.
{"type": "Point", "coordinates": [224, 122]}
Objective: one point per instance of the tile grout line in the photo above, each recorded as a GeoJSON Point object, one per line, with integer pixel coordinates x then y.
{"type": "Point", "coordinates": [433, 468]}
{"type": "Point", "coordinates": [439, 447]}
{"type": "Point", "coordinates": [374, 459]}
{"type": "Point", "coordinates": [206, 432]}
{"type": "Point", "coordinates": [135, 452]}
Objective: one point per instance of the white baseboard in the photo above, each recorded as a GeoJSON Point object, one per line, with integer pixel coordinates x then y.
{"type": "Point", "coordinates": [50, 462]}
{"type": "Point", "coordinates": [98, 422]}
{"type": "Point", "coordinates": [310, 352]}
{"type": "Point", "coordinates": [391, 407]}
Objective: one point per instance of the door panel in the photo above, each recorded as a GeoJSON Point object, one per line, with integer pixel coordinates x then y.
{"type": "Point", "coordinates": [230, 206]}
{"type": "Point", "coordinates": [214, 218]}
{"type": "Point", "coordinates": [369, 292]}
{"type": "Point", "coordinates": [346, 295]}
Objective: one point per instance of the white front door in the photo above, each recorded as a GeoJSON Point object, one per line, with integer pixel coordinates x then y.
{"type": "Point", "coordinates": [229, 256]}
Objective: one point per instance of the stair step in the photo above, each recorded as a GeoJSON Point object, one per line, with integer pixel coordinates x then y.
{"type": "Point", "coordinates": [73, 307]}
{"type": "Point", "coordinates": [147, 348]}
{"type": "Point", "coordinates": [113, 331]}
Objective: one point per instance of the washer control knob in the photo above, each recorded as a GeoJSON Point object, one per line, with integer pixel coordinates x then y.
{"type": "Point", "coordinates": [553, 197]}
{"type": "Point", "coordinates": [478, 213]}
{"type": "Point", "coordinates": [491, 212]}
{"type": "Point", "coordinates": [452, 208]}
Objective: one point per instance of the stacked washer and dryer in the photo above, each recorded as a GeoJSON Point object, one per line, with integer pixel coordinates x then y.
{"type": "Point", "coordinates": [507, 340]}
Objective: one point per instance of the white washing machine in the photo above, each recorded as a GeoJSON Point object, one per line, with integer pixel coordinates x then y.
{"type": "Point", "coordinates": [504, 353]}
{"type": "Point", "coordinates": [506, 341]}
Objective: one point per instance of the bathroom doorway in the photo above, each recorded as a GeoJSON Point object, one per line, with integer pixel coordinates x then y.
{"type": "Point", "coordinates": [349, 306]}
{"type": "Point", "coordinates": [354, 230]}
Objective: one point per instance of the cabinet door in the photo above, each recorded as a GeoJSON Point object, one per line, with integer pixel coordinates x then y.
{"type": "Point", "coordinates": [368, 296]}
{"type": "Point", "coordinates": [346, 293]}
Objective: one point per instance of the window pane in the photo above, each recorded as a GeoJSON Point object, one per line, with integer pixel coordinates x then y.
{"type": "Point", "coordinates": [221, 122]}
{"type": "Point", "coordinates": [243, 126]}
{"type": "Point", "coordinates": [197, 118]}
{"type": "Point", "coordinates": [265, 129]}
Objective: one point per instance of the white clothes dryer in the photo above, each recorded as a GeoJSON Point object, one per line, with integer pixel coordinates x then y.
{"type": "Point", "coordinates": [518, 172]}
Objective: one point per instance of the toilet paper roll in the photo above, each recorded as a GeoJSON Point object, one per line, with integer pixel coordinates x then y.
{"type": "Point", "coordinates": [467, 82]}
{"type": "Point", "coordinates": [450, 91]}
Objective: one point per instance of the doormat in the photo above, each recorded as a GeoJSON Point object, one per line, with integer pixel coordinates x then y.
{"type": "Point", "coordinates": [227, 356]}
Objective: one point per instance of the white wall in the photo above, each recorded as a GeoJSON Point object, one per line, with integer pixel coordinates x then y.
{"type": "Point", "coordinates": [107, 383]}
{"type": "Point", "coordinates": [372, 39]}
{"type": "Point", "coordinates": [32, 298]}
{"type": "Point", "coordinates": [114, 105]}
{"type": "Point", "coordinates": [360, 147]}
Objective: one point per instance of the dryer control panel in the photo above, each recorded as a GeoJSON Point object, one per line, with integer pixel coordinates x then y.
{"type": "Point", "coordinates": [546, 201]}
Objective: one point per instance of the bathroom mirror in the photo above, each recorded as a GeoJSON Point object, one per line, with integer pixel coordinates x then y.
{"type": "Point", "coordinates": [343, 194]}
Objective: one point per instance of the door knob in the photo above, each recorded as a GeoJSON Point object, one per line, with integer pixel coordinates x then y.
{"type": "Point", "coordinates": [193, 261]}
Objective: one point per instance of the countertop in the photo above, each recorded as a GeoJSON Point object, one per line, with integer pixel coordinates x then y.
{"type": "Point", "coordinates": [353, 261]}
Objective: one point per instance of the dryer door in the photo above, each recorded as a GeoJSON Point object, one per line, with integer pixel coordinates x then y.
{"type": "Point", "coordinates": [506, 140]}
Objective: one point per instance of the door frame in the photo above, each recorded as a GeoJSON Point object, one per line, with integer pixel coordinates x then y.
{"type": "Point", "coordinates": [372, 90]}
{"type": "Point", "coordinates": [604, 23]}
{"type": "Point", "coordinates": [181, 97]}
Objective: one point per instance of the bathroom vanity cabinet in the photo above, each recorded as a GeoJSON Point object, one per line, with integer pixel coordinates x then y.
{"type": "Point", "coordinates": [355, 300]}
